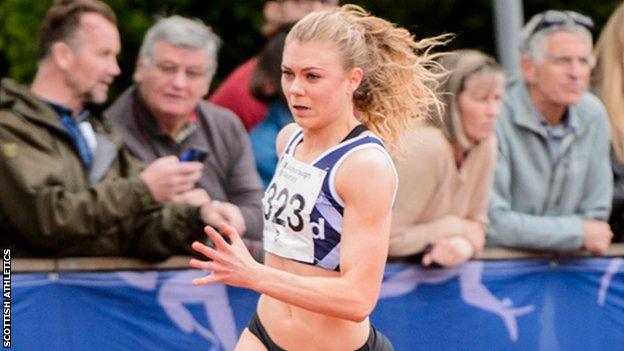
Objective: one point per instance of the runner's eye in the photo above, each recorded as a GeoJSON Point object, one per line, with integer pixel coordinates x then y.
{"type": "Point", "coordinates": [312, 76]}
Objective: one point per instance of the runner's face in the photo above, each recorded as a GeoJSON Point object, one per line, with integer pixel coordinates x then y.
{"type": "Point", "coordinates": [316, 86]}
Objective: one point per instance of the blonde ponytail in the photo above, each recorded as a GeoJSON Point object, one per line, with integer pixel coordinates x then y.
{"type": "Point", "coordinates": [400, 74]}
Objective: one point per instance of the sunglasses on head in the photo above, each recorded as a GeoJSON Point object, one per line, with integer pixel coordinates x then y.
{"type": "Point", "coordinates": [554, 17]}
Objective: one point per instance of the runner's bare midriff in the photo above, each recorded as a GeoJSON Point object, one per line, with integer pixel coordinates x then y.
{"type": "Point", "coordinates": [294, 328]}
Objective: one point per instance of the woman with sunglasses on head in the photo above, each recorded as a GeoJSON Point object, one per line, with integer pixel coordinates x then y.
{"type": "Point", "coordinates": [351, 80]}
{"type": "Point", "coordinates": [441, 210]}
{"type": "Point", "coordinates": [608, 82]}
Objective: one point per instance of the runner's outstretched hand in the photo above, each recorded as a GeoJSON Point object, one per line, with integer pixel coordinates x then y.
{"type": "Point", "coordinates": [230, 264]}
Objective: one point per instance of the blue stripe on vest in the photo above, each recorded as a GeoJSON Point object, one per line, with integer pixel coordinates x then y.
{"type": "Point", "coordinates": [327, 210]}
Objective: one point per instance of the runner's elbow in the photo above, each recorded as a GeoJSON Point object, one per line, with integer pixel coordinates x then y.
{"type": "Point", "coordinates": [360, 310]}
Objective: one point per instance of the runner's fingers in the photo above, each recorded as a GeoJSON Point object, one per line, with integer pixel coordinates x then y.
{"type": "Point", "coordinates": [216, 275]}
{"type": "Point", "coordinates": [216, 238]}
{"type": "Point", "coordinates": [231, 233]}
{"type": "Point", "coordinates": [209, 279]}
{"type": "Point", "coordinates": [427, 260]}
{"type": "Point", "coordinates": [195, 263]}
{"type": "Point", "coordinates": [205, 250]}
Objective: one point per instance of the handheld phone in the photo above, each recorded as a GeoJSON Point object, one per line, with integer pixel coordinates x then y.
{"type": "Point", "coordinates": [193, 155]}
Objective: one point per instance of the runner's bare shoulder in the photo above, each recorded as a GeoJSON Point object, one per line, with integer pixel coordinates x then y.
{"type": "Point", "coordinates": [283, 136]}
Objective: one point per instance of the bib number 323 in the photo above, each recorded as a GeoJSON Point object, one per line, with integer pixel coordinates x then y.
{"type": "Point", "coordinates": [287, 204]}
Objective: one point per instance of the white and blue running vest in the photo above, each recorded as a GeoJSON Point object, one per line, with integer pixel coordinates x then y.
{"type": "Point", "coordinates": [324, 222]}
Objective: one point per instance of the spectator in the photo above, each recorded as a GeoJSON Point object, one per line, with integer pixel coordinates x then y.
{"type": "Point", "coordinates": [553, 182]}
{"type": "Point", "coordinates": [68, 186]}
{"type": "Point", "coordinates": [234, 92]}
{"type": "Point", "coordinates": [164, 114]}
{"type": "Point", "coordinates": [266, 86]}
{"type": "Point", "coordinates": [446, 173]}
{"type": "Point", "coordinates": [608, 82]}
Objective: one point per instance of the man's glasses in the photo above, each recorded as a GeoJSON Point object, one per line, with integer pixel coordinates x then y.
{"type": "Point", "coordinates": [553, 18]}
{"type": "Point", "coordinates": [171, 69]}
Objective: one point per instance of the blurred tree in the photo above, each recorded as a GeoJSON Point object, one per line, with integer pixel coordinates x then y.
{"type": "Point", "coordinates": [470, 21]}
{"type": "Point", "coordinates": [18, 33]}
{"type": "Point", "coordinates": [237, 22]}
{"type": "Point", "coordinates": [599, 11]}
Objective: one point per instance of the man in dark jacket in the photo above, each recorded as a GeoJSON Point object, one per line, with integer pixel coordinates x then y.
{"type": "Point", "coordinates": [69, 188]}
{"type": "Point", "coordinates": [164, 113]}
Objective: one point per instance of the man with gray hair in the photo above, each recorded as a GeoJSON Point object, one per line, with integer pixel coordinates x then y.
{"type": "Point", "coordinates": [553, 181]}
{"type": "Point", "coordinates": [69, 187]}
{"type": "Point", "coordinates": [164, 113]}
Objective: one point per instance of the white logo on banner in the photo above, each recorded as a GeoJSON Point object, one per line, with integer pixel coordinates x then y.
{"type": "Point", "coordinates": [177, 290]}
{"type": "Point", "coordinates": [612, 269]}
{"type": "Point", "coordinates": [473, 292]}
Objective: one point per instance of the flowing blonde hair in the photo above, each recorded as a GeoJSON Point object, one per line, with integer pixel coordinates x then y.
{"type": "Point", "coordinates": [608, 78]}
{"type": "Point", "coordinates": [399, 83]}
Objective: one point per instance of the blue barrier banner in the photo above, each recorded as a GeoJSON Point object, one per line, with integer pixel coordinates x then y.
{"type": "Point", "coordinates": [575, 304]}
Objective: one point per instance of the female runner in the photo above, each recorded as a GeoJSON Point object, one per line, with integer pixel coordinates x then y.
{"type": "Point", "coordinates": [351, 80]}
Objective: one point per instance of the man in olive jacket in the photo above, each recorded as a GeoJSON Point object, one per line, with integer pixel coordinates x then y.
{"type": "Point", "coordinates": [68, 187]}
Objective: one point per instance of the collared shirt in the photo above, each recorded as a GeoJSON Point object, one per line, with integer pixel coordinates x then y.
{"type": "Point", "coordinates": [78, 128]}
{"type": "Point", "coordinates": [539, 204]}
{"type": "Point", "coordinates": [187, 131]}
{"type": "Point", "coordinates": [229, 173]}
{"type": "Point", "coordinates": [192, 135]}
{"type": "Point", "coordinates": [555, 135]}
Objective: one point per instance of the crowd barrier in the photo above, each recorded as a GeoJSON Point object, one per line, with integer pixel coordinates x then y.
{"type": "Point", "coordinates": [504, 300]}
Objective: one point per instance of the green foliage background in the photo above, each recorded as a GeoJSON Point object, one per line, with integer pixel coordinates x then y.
{"type": "Point", "coordinates": [237, 22]}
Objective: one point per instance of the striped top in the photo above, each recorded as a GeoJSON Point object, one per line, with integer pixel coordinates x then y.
{"type": "Point", "coordinates": [326, 216]}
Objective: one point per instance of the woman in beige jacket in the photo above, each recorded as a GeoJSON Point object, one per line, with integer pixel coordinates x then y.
{"type": "Point", "coordinates": [446, 173]}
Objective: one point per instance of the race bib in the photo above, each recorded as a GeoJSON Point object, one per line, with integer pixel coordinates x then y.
{"type": "Point", "coordinates": [287, 205]}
